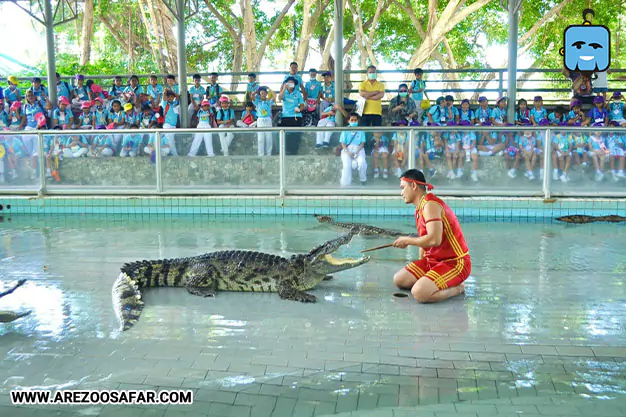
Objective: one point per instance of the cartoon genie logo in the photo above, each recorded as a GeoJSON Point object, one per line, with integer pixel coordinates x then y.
{"type": "Point", "coordinates": [586, 47]}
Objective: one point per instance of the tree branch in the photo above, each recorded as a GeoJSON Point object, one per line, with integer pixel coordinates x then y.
{"type": "Point", "coordinates": [223, 21]}
{"type": "Point", "coordinates": [279, 18]}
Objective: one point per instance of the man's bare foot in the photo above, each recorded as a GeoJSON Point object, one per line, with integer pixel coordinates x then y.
{"type": "Point", "coordinates": [460, 289]}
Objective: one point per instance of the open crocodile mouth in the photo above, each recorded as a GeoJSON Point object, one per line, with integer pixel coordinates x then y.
{"type": "Point", "coordinates": [341, 261]}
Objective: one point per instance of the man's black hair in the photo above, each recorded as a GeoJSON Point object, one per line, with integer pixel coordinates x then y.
{"type": "Point", "coordinates": [371, 67]}
{"type": "Point", "coordinates": [249, 104]}
{"type": "Point", "coordinates": [417, 175]}
{"type": "Point", "coordinates": [197, 77]}
{"type": "Point", "coordinates": [354, 115]}
{"type": "Point", "coordinates": [418, 71]}
{"type": "Point", "coordinates": [253, 75]}
{"type": "Point", "coordinates": [214, 73]}
{"type": "Point", "coordinates": [294, 63]}
{"type": "Point", "coordinates": [170, 77]}
{"type": "Point", "coordinates": [449, 98]}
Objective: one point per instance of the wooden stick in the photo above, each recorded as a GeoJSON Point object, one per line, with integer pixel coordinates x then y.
{"type": "Point", "coordinates": [388, 245]}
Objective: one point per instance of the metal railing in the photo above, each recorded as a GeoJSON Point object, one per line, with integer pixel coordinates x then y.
{"type": "Point", "coordinates": [463, 82]}
{"type": "Point", "coordinates": [547, 189]}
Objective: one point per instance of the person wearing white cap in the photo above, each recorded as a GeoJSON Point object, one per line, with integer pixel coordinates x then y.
{"type": "Point", "coordinates": [204, 122]}
{"type": "Point", "coordinates": [225, 118]}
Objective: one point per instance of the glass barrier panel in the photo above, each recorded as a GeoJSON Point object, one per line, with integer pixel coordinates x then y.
{"type": "Point", "coordinates": [19, 160]}
{"type": "Point", "coordinates": [373, 159]}
{"type": "Point", "coordinates": [220, 159]}
{"type": "Point", "coordinates": [102, 160]}
{"type": "Point", "coordinates": [589, 160]}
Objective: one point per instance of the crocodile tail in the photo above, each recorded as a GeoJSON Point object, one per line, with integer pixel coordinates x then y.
{"type": "Point", "coordinates": [161, 273]}
{"type": "Point", "coordinates": [127, 301]}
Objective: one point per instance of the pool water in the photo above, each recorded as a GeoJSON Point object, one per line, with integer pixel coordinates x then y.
{"type": "Point", "coordinates": [543, 318]}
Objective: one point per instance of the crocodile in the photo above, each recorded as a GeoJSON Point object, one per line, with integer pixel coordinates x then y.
{"type": "Point", "coordinates": [230, 270]}
{"type": "Point", "coordinates": [583, 218]}
{"type": "Point", "coordinates": [361, 228]}
{"type": "Point", "coordinates": [9, 316]}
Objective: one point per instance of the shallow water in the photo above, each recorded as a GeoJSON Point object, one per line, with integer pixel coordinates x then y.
{"type": "Point", "coordinates": [544, 314]}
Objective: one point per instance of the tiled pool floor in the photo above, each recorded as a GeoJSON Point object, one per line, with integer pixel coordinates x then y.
{"type": "Point", "coordinates": [540, 331]}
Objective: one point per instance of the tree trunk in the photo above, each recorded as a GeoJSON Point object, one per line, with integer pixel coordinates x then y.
{"type": "Point", "coordinates": [87, 32]}
{"type": "Point", "coordinates": [249, 34]}
{"type": "Point", "coordinates": [309, 21]}
{"type": "Point", "coordinates": [277, 21]}
{"type": "Point", "coordinates": [149, 24]}
{"type": "Point", "coordinates": [358, 31]}
{"type": "Point", "coordinates": [237, 61]}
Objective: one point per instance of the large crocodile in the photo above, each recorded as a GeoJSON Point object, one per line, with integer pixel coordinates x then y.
{"type": "Point", "coordinates": [583, 218]}
{"type": "Point", "coordinates": [9, 316]}
{"type": "Point", "coordinates": [361, 228]}
{"type": "Point", "coordinates": [230, 270]}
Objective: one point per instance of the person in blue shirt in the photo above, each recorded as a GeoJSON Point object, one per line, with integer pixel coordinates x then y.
{"type": "Point", "coordinates": [85, 120]}
{"type": "Point", "coordinates": [263, 105]}
{"type": "Point", "coordinates": [616, 110]}
{"type": "Point", "coordinates": [539, 114]}
{"type": "Point", "coordinates": [251, 87]}
{"type": "Point", "coordinates": [4, 120]}
{"type": "Point", "coordinates": [146, 119]}
{"type": "Point", "coordinates": [154, 91]}
{"type": "Point", "coordinates": [101, 146]}
{"type": "Point", "coordinates": [15, 116]}
{"type": "Point", "coordinates": [597, 116]}
{"type": "Point", "coordinates": [557, 117]}
{"type": "Point", "coordinates": [615, 142]}
{"type": "Point", "coordinates": [293, 73]}
{"type": "Point", "coordinates": [150, 147]}
{"type": "Point", "coordinates": [12, 93]}
{"type": "Point", "coordinates": [225, 118]}
{"type": "Point", "coordinates": [131, 143]}
{"type": "Point", "coordinates": [131, 117]}
{"type": "Point", "coordinates": [576, 116]}
{"type": "Point", "coordinates": [417, 90]}
{"type": "Point", "coordinates": [213, 89]}
{"type": "Point", "coordinates": [62, 116]}
{"type": "Point", "coordinates": [522, 115]}
{"type": "Point", "coordinates": [40, 91]}
{"type": "Point", "coordinates": [353, 153]}
{"type": "Point", "coordinates": [328, 89]}
{"type": "Point", "coordinates": [494, 144]}
{"type": "Point", "coordinates": [204, 122]}
{"type": "Point", "coordinates": [171, 109]}
{"type": "Point", "coordinates": [170, 85]}
{"type": "Point", "coordinates": [400, 154]}
{"type": "Point", "coordinates": [598, 152]}
{"type": "Point", "coordinates": [328, 120]}
{"type": "Point", "coordinates": [75, 146]}
{"type": "Point", "coordinates": [293, 105]}
{"type": "Point", "coordinates": [196, 94]}
{"type": "Point", "coordinates": [64, 89]}
{"type": "Point", "coordinates": [100, 114]}
{"type": "Point", "coordinates": [132, 91]}
{"type": "Point", "coordinates": [117, 89]}
{"type": "Point", "coordinates": [313, 90]}
{"type": "Point", "coordinates": [248, 116]}
{"type": "Point", "coordinates": [561, 156]}
{"type": "Point", "coordinates": [15, 151]}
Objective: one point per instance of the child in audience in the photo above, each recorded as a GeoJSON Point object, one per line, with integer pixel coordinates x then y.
{"type": "Point", "coordinates": [328, 119]}
{"type": "Point", "coordinates": [615, 143]}
{"type": "Point", "coordinates": [171, 109]}
{"type": "Point", "coordinates": [561, 156]}
{"type": "Point", "coordinates": [132, 91]}
{"type": "Point", "coordinates": [248, 116]}
{"type": "Point", "coordinates": [400, 154]}
{"type": "Point", "coordinates": [381, 150]}
{"type": "Point", "coordinates": [494, 144]}
{"type": "Point", "coordinates": [154, 91]}
{"type": "Point", "coordinates": [263, 106]}
{"type": "Point", "coordinates": [85, 120]}
{"type": "Point", "coordinates": [576, 116]}
{"type": "Point", "coordinates": [150, 147]}
{"type": "Point", "coordinates": [526, 143]}
{"type": "Point", "coordinates": [512, 155]}
{"type": "Point", "coordinates": [81, 92]}
{"type": "Point", "coordinates": [539, 114]}
{"type": "Point", "coordinates": [328, 90]}
{"type": "Point", "coordinates": [225, 118]}
{"type": "Point", "coordinates": [146, 118]}
{"type": "Point", "coordinates": [468, 144]}
{"type": "Point", "coordinates": [62, 116]}
{"type": "Point", "coordinates": [131, 143]}
{"type": "Point", "coordinates": [53, 150]}
{"type": "Point", "coordinates": [14, 152]}
{"type": "Point", "coordinates": [251, 87]}
{"type": "Point", "coordinates": [12, 93]}
{"type": "Point", "coordinates": [15, 116]}
{"type": "Point", "coordinates": [213, 90]}
{"type": "Point", "coordinates": [75, 146]}
{"type": "Point", "coordinates": [598, 152]}
{"type": "Point", "coordinates": [101, 146]}
{"type": "Point", "coordinates": [204, 122]}
{"type": "Point", "coordinates": [130, 116]}
{"type": "Point", "coordinates": [100, 114]}
{"type": "Point", "coordinates": [117, 89]}
{"type": "Point", "coordinates": [522, 115]}
{"type": "Point", "coordinates": [196, 92]}
{"type": "Point", "coordinates": [417, 90]}
{"type": "Point", "coordinates": [483, 118]}
{"type": "Point", "coordinates": [616, 110]}
{"type": "Point", "coordinates": [597, 116]}
{"type": "Point", "coordinates": [353, 154]}
{"type": "Point", "coordinates": [580, 149]}
{"type": "Point", "coordinates": [116, 121]}
{"type": "Point", "coordinates": [557, 117]}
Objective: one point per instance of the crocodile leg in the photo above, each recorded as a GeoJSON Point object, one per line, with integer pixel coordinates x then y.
{"type": "Point", "coordinates": [287, 291]}
{"type": "Point", "coordinates": [202, 280]}
{"type": "Point", "coordinates": [15, 287]}
{"type": "Point", "coordinates": [9, 316]}
{"type": "Point", "coordinates": [328, 277]}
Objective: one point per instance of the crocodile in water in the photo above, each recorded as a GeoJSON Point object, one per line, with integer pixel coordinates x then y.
{"type": "Point", "coordinates": [9, 316]}
{"type": "Point", "coordinates": [230, 270]}
{"type": "Point", "coordinates": [583, 218]}
{"type": "Point", "coordinates": [361, 228]}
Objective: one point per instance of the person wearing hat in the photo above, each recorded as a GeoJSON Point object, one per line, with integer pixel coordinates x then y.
{"type": "Point", "coordinates": [597, 116]}
{"type": "Point", "coordinates": [116, 120]}
{"type": "Point", "coordinates": [575, 116]}
{"type": "Point", "coordinates": [62, 116]}
{"type": "Point", "coordinates": [373, 92]}
{"type": "Point", "coordinates": [293, 105]}
{"type": "Point", "coordinates": [293, 72]}
{"type": "Point", "coordinates": [616, 110]}
{"type": "Point", "coordinates": [85, 120]}
{"type": "Point", "coordinates": [263, 104]}
{"type": "Point", "coordinates": [204, 122]}
{"type": "Point", "coordinates": [444, 262]}
{"type": "Point", "coordinates": [328, 89]}
{"type": "Point", "coordinates": [130, 116]}
{"type": "Point", "coordinates": [12, 93]}
{"type": "Point", "coordinates": [225, 118]}
{"type": "Point", "coordinates": [538, 114]}
{"type": "Point", "coordinates": [100, 114]}
{"type": "Point", "coordinates": [33, 117]}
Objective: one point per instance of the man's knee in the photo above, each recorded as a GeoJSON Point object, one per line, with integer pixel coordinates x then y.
{"type": "Point", "coordinates": [403, 280]}
{"type": "Point", "coordinates": [423, 290]}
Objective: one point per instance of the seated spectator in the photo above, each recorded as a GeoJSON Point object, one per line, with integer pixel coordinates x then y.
{"type": "Point", "coordinates": [597, 116]}
{"type": "Point", "coordinates": [328, 120]}
{"type": "Point", "coordinates": [130, 116]}
{"type": "Point", "coordinates": [204, 122]}
{"type": "Point", "coordinates": [353, 153]}
{"type": "Point", "coordinates": [116, 120]}
{"type": "Point", "coordinates": [263, 104]}
{"type": "Point", "coordinates": [85, 120]}
{"type": "Point", "coordinates": [132, 91]}
{"type": "Point", "coordinates": [33, 118]}
{"type": "Point", "coordinates": [81, 94]}
{"type": "Point", "coordinates": [522, 115]}
{"type": "Point", "coordinates": [526, 144]}
{"type": "Point", "coordinates": [62, 116]}
{"type": "Point", "coordinates": [598, 152]}
{"type": "Point", "coordinates": [101, 146]}
{"type": "Point", "coordinates": [100, 114]}
{"type": "Point", "coordinates": [154, 90]}
{"type": "Point", "coordinates": [64, 89]}
{"type": "Point", "coordinates": [615, 142]}
{"type": "Point", "coordinates": [601, 83]}
{"type": "Point", "coordinates": [225, 119]}
{"type": "Point", "coordinates": [328, 89]}
{"type": "Point", "coordinates": [402, 107]}
{"type": "Point", "coordinates": [131, 143]}
{"type": "Point", "coordinates": [616, 110]}
{"type": "Point", "coordinates": [14, 152]}
{"type": "Point", "coordinates": [561, 156]}
{"type": "Point", "coordinates": [75, 146]}
{"type": "Point", "coordinates": [400, 154]}
{"type": "Point", "coordinates": [53, 150]}
{"type": "Point", "coordinates": [150, 147]}
{"type": "Point", "coordinates": [146, 119]}
{"type": "Point", "coordinates": [557, 117]}
{"type": "Point", "coordinates": [580, 149]}
{"type": "Point", "coordinates": [171, 109]}
{"type": "Point", "coordinates": [4, 120]}
{"type": "Point", "coordinates": [40, 91]}
{"type": "Point", "coordinates": [196, 94]}
{"type": "Point", "coordinates": [170, 85]}
{"type": "Point", "coordinates": [381, 150]}
{"type": "Point", "coordinates": [96, 91]}
{"type": "Point", "coordinates": [15, 116]}
{"type": "Point", "coordinates": [117, 89]}
{"type": "Point", "coordinates": [248, 116]}
{"type": "Point", "coordinates": [539, 114]}
{"type": "Point", "coordinates": [576, 116]}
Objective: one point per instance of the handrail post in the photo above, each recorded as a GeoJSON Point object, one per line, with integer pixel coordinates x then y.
{"type": "Point", "coordinates": [412, 148]}
{"type": "Point", "coordinates": [158, 161]}
{"type": "Point", "coordinates": [547, 163]}
{"type": "Point", "coordinates": [281, 161]}
{"type": "Point", "coordinates": [501, 82]}
{"type": "Point", "coordinates": [42, 165]}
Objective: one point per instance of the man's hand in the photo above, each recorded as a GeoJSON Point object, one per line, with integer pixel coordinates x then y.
{"type": "Point", "coordinates": [401, 242]}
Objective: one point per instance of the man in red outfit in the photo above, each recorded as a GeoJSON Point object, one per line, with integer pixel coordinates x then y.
{"type": "Point", "coordinates": [444, 257]}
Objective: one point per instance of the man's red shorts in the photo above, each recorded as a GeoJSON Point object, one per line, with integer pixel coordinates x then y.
{"type": "Point", "coordinates": [443, 274]}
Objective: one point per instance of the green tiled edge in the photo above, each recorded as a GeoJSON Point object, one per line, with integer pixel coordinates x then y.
{"type": "Point", "coordinates": [518, 209]}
